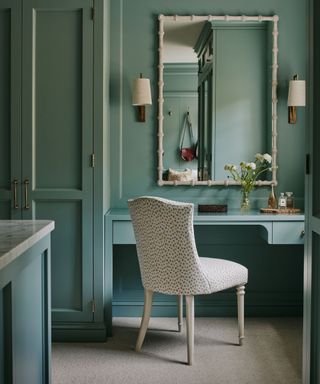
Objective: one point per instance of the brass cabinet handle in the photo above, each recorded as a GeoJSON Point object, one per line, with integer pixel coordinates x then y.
{"type": "Point", "coordinates": [26, 203]}
{"type": "Point", "coordinates": [15, 200]}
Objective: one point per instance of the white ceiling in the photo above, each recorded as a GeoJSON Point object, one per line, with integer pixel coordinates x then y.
{"type": "Point", "coordinates": [179, 39]}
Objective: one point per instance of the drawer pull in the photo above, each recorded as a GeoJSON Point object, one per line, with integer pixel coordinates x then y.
{"type": "Point", "coordinates": [26, 203]}
{"type": "Point", "coordinates": [302, 233]}
{"type": "Point", "coordinates": [15, 200]}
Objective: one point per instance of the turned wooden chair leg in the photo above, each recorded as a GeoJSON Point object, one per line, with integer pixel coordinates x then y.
{"type": "Point", "coordinates": [145, 318]}
{"type": "Point", "coordinates": [190, 327]}
{"type": "Point", "coordinates": [240, 299]}
{"type": "Point", "coordinates": [180, 312]}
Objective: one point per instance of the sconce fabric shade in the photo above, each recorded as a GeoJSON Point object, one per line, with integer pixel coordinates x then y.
{"type": "Point", "coordinates": [297, 93]}
{"type": "Point", "coordinates": [141, 94]}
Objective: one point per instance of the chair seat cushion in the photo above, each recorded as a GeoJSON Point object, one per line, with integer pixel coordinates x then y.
{"type": "Point", "coordinates": [223, 274]}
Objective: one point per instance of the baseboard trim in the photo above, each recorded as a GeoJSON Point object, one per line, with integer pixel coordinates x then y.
{"type": "Point", "coordinates": [136, 310]}
{"type": "Point", "coordinates": [98, 332]}
{"type": "Point", "coordinates": [86, 332]}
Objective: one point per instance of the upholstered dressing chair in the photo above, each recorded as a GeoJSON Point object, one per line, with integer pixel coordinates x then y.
{"type": "Point", "coordinates": [169, 262]}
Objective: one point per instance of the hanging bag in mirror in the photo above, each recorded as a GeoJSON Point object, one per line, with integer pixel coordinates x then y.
{"type": "Point", "coordinates": [187, 153]}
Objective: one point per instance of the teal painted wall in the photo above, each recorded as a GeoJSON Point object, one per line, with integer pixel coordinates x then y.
{"type": "Point", "coordinates": [134, 44]}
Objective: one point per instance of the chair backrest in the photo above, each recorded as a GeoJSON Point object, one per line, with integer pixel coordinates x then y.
{"type": "Point", "coordinates": [168, 258]}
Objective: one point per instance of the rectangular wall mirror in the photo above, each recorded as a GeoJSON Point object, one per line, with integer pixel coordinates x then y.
{"type": "Point", "coordinates": [217, 96]}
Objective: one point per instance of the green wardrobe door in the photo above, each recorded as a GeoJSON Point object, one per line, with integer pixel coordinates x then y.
{"type": "Point", "coordinates": [10, 110]}
{"type": "Point", "coordinates": [57, 137]}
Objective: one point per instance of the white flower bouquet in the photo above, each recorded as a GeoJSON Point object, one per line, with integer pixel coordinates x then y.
{"type": "Point", "coordinates": [249, 173]}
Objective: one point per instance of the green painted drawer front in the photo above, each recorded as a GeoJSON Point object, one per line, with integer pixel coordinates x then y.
{"type": "Point", "coordinates": [288, 233]}
{"type": "Point", "coordinates": [285, 232]}
{"type": "Point", "coordinates": [123, 233]}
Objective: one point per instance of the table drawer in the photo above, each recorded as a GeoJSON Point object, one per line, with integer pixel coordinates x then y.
{"type": "Point", "coordinates": [288, 233]}
{"type": "Point", "coordinates": [123, 232]}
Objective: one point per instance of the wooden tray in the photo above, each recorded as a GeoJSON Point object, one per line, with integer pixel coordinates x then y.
{"type": "Point", "coordinates": [280, 211]}
{"type": "Point", "coordinates": [212, 208]}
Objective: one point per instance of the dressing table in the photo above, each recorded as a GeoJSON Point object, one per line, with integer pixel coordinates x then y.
{"type": "Point", "coordinates": [275, 229]}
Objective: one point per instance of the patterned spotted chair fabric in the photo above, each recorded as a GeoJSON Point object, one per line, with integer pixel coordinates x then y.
{"type": "Point", "coordinates": [169, 261]}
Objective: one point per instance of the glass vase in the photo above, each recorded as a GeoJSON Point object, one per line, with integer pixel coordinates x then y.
{"type": "Point", "coordinates": [245, 201]}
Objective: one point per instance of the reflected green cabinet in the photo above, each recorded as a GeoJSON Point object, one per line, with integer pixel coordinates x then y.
{"type": "Point", "coordinates": [46, 140]}
{"type": "Point", "coordinates": [234, 100]}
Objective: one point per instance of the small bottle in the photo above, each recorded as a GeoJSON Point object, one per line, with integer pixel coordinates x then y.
{"type": "Point", "coordinates": [272, 200]}
{"type": "Point", "coordinates": [282, 204]}
{"type": "Point", "coordinates": [289, 200]}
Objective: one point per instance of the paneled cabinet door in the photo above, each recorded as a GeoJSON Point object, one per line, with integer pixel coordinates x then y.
{"type": "Point", "coordinates": [10, 109]}
{"type": "Point", "coordinates": [46, 136]}
{"type": "Point", "coordinates": [57, 143]}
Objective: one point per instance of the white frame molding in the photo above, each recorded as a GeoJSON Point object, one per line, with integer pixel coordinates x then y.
{"type": "Point", "coordinates": [274, 99]}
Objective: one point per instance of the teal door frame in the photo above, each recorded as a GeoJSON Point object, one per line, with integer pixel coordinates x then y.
{"type": "Point", "coordinates": [311, 328]}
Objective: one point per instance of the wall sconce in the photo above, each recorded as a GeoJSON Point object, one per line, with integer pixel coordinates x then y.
{"type": "Point", "coordinates": [141, 96]}
{"type": "Point", "coordinates": [296, 98]}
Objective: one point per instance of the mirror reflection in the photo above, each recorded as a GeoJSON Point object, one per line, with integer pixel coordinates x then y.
{"type": "Point", "coordinates": [216, 97]}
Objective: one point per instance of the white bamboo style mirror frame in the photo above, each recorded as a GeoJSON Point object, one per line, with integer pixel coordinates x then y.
{"type": "Point", "coordinates": [274, 19]}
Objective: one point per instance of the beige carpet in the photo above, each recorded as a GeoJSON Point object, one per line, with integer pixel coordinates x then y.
{"type": "Point", "coordinates": [271, 354]}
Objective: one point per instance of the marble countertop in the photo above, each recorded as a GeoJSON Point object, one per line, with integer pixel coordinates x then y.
{"type": "Point", "coordinates": [17, 236]}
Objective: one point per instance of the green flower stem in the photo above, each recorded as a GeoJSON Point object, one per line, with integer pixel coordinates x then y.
{"type": "Point", "coordinates": [247, 175]}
